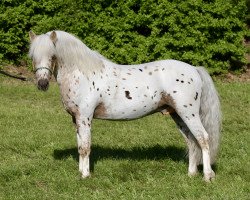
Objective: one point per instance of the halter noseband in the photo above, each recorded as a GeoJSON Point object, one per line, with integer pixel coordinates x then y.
{"type": "Point", "coordinates": [44, 68]}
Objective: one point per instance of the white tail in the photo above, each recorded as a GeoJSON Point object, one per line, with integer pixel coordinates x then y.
{"type": "Point", "coordinates": [210, 113]}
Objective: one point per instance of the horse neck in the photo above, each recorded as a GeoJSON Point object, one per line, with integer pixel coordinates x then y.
{"type": "Point", "coordinates": [77, 57]}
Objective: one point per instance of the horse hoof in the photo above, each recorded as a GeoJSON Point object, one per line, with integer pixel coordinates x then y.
{"type": "Point", "coordinates": [209, 177]}
{"type": "Point", "coordinates": [192, 174]}
{"type": "Point", "coordinates": [84, 176]}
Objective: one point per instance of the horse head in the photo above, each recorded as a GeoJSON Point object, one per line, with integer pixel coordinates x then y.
{"type": "Point", "coordinates": [42, 51]}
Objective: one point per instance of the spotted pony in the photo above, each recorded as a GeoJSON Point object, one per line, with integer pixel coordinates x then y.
{"type": "Point", "coordinates": [92, 86]}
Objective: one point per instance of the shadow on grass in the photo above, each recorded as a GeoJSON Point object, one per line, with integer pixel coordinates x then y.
{"type": "Point", "coordinates": [156, 152]}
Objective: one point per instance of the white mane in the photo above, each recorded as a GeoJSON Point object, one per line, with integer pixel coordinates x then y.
{"type": "Point", "coordinates": [70, 51]}
{"type": "Point", "coordinates": [74, 53]}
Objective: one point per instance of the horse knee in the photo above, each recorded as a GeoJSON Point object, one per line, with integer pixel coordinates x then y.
{"type": "Point", "coordinates": [203, 142]}
{"type": "Point", "coordinates": [84, 151]}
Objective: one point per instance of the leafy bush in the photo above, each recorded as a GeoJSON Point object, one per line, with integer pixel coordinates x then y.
{"type": "Point", "coordinates": [207, 33]}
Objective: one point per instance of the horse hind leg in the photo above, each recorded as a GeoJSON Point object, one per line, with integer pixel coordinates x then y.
{"type": "Point", "coordinates": [195, 126]}
{"type": "Point", "coordinates": [194, 150]}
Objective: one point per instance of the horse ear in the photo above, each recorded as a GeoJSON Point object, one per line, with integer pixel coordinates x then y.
{"type": "Point", "coordinates": [53, 37]}
{"type": "Point", "coordinates": [32, 35]}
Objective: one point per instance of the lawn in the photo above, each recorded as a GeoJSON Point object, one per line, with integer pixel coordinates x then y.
{"type": "Point", "coordinates": [142, 159]}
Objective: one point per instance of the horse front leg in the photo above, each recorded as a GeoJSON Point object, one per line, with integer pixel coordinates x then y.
{"type": "Point", "coordinates": [84, 143]}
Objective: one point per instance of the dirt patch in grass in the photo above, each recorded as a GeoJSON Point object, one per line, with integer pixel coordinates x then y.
{"type": "Point", "coordinates": [244, 77]}
{"type": "Point", "coordinates": [17, 72]}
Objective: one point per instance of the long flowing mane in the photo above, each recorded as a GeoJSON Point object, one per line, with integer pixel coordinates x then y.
{"type": "Point", "coordinates": [70, 51]}
{"type": "Point", "coordinates": [75, 54]}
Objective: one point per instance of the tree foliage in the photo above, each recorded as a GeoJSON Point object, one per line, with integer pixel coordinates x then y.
{"type": "Point", "coordinates": [207, 33]}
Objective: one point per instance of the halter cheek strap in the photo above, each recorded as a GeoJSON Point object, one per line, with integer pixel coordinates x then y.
{"type": "Point", "coordinates": [44, 68]}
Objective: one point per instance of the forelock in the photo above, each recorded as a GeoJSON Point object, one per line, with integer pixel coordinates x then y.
{"type": "Point", "coordinates": [40, 46]}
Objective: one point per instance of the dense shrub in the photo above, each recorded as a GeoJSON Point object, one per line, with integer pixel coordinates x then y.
{"type": "Point", "coordinates": [207, 33]}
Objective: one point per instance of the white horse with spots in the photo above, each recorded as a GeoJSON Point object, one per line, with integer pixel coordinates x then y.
{"type": "Point", "coordinates": [94, 87]}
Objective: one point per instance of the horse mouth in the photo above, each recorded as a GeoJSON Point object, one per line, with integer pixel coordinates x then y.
{"type": "Point", "coordinates": [43, 84]}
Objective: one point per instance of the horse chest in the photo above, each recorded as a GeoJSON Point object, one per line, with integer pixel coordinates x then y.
{"type": "Point", "coordinates": [69, 89]}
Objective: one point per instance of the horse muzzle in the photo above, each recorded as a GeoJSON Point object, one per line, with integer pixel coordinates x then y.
{"type": "Point", "coordinates": [43, 84]}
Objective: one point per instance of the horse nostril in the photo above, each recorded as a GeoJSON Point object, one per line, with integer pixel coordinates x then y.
{"type": "Point", "coordinates": [43, 84]}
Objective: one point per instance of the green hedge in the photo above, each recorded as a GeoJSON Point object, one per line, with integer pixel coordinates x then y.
{"type": "Point", "coordinates": [207, 33]}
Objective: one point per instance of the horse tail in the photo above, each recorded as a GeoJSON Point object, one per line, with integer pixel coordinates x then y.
{"type": "Point", "coordinates": [210, 112]}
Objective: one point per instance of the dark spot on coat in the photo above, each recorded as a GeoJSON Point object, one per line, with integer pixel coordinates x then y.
{"type": "Point", "coordinates": [140, 70]}
{"type": "Point", "coordinates": [182, 74]}
{"type": "Point", "coordinates": [185, 106]}
{"type": "Point", "coordinates": [128, 73]}
{"type": "Point", "coordinates": [196, 96]}
{"type": "Point", "coordinates": [123, 78]}
{"type": "Point", "coordinates": [156, 70]}
{"type": "Point", "coordinates": [174, 91]}
{"type": "Point", "coordinates": [182, 81]}
{"type": "Point", "coordinates": [190, 104]}
{"type": "Point", "coordinates": [127, 94]}
{"type": "Point", "coordinates": [193, 115]}
{"type": "Point", "coordinates": [177, 80]}
{"type": "Point", "coordinates": [191, 79]}
{"type": "Point", "coordinates": [150, 73]}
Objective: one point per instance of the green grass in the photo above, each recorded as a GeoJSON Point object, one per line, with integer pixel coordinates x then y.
{"type": "Point", "coordinates": [142, 159]}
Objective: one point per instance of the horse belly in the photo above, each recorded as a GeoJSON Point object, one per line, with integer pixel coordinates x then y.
{"type": "Point", "coordinates": [126, 109]}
